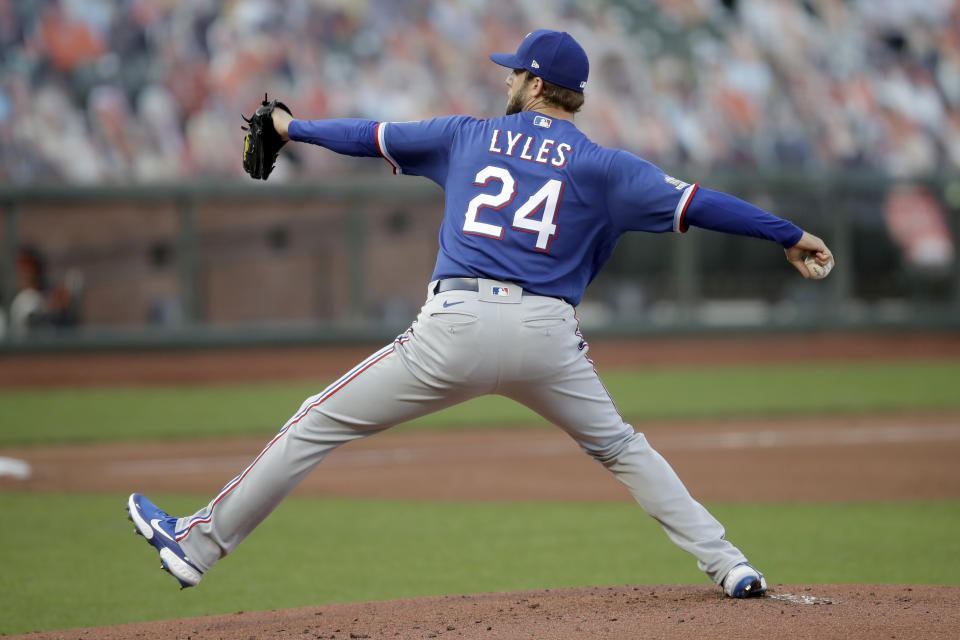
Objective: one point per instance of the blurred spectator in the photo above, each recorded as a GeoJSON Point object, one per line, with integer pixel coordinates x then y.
{"type": "Point", "coordinates": [28, 309]}
{"type": "Point", "coordinates": [916, 222]}
{"type": "Point", "coordinates": [64, 41]}
{"type": "Point", "coordinates": [36, 306]}
{"type": "Point", "coordinates": [101, 91]}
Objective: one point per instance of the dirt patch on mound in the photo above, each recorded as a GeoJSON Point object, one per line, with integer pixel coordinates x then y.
{"type": "Point", "coordinates": [854, 612]}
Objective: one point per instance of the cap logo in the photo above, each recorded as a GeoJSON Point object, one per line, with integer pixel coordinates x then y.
{"type": "Point", "coordinates": [583, 84]}
{"type": "Point", "coordinates": [535, 64]}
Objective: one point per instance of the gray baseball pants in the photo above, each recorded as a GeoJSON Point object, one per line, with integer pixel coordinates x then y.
{"type": "Point", "coordinates": [464, 344]}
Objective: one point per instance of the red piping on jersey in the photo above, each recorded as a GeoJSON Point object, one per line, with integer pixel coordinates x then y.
{"type": "Point", "coordinates": [376, 135]}
{"type": "Point", "coordinates": [681, 227]}
{"type": "Point", "coordinates": [594, 366]}
{"type": "Point", "coordinates": [236, 482]}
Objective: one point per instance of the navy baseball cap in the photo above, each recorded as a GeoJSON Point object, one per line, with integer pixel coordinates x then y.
{"type": "Point", "coordinates": [552, 55]}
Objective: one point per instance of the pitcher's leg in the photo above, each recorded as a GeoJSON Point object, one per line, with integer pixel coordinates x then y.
{"type": "Point", "coordinates": [657, 488]}
{"type": "Point", "coordinates": [378, 393]}
{"type": "Point", "coordinates": [577, 401]}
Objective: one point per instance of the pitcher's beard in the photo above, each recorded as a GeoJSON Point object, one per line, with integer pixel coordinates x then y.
{"type": "Point", "coordinates": [515, 104]}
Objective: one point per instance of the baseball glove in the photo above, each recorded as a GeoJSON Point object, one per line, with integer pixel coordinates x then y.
{"type": "Point", "coordinates": [262, 143]}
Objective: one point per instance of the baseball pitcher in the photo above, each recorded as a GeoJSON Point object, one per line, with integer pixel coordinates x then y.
{"type": "Point", "coordinates": [533, 210]}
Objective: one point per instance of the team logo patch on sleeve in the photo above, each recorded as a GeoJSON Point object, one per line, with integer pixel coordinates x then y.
{"type": "Point", "coordinates": [679, 185]}
{"type": "Point", "coordinates": [542, 121]}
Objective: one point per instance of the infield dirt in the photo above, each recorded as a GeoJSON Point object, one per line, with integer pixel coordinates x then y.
{"type": "Point", "coordinates": [681, 612]}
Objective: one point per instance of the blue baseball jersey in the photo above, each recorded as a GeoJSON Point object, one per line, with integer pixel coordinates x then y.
{"type": "Point", "coordinates": [530, 199]}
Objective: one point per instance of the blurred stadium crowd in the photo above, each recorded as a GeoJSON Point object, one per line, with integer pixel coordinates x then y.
{"type": "Point", "coordinates": [120, 91]}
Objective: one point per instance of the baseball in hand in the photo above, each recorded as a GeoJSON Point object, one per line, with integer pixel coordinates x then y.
{"type": "Point", "coordinates": [817, 271]}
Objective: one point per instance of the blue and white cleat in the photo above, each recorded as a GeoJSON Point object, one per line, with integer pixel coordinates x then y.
{"type": "Point", "coordinates": [158, 528]}
{"type": "Point", "coordinates": [743, 581]}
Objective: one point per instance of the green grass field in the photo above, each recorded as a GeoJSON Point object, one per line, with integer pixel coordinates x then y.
{"type": "Point", "coordinates": [107, 414]}
{"type": "Point", "coordinates": [72, 560]}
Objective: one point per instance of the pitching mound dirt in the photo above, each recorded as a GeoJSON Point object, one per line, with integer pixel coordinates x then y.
{"type": "Point", "coordinates": [853, 612]}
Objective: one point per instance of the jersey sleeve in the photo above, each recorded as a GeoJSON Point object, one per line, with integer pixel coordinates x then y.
{"type": "Point", "coordinates": [720, 211]}
{"type": "Point", "coordinates": [349, 136]}
{"type": "Point", "coordinates": [641, 197]}
{"type": "Point", "coordinates": [419, 148]}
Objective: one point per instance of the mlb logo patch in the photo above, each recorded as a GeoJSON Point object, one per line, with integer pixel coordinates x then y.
{"type": "Point", "coordinates": [500, 291]}
{"type": "Point", "coordinates": [542, 121]}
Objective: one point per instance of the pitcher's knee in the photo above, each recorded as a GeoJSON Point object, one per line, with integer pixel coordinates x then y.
{"type": "Point", "coordinates": [608, 452]}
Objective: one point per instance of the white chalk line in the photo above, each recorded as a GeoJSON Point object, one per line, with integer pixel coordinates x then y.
{"type": "Point", "coordinates": [801, 599]}
{"type": "Point", "coordinates": [767, 439]}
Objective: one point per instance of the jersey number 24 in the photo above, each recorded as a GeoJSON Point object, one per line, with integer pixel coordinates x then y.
{"type": "Point", "coordinates": [546, 198]}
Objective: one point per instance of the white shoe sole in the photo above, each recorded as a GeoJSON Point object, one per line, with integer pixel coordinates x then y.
{"type": "Point", "coordinates": [744, 581]}
{"type": "Point", "coordinates": [174, 564]}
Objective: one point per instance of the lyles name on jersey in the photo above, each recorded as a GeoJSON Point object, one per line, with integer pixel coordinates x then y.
{"type": "Point", "coordinates": [527, 147]}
